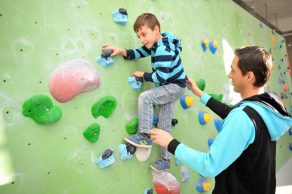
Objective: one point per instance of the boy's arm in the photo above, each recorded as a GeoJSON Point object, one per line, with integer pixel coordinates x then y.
{"type": "Point", "coordinates": [137, 53]}
{"type": "Point", "coordinates": [161, 66]}
{"type": "Point", "coordinates": [116, 50]}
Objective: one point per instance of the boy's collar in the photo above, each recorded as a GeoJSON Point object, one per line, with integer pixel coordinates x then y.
{"type": "Point", "coordinates": [154, 47]}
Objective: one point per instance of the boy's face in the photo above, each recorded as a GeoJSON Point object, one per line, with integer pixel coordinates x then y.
{"type": "Point", "coordinates": [147, 36]}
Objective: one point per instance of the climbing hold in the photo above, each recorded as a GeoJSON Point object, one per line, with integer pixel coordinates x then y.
{"type": "Point", "coordinates": [174, 122]}
{"type": "Point", "coordinates": [104, 107]}
{"type": "Point", "coordinates": [286, 87]}
{"type": "Point", "coordinates": [213, 46]}
{"type": "Point", "coordinates": [41, 109]}
{"type": "Point", "coordinates": [142, 154]}
{"type": "Point", "coordinates": [106, 53]}
{"type": "Point", "coordinates": [201, 84]}
{"type": "Point", "coordinates": [120, 16]}
{"type": "Point", "coordinates": [204, 117]}
{"type": "Point", "coordinates": [105, 59]}
{"type": "Point", "coordinates": [132, 126]}
{"type": "Point", "coordinates": [106, 159]}
{"type": "Point", "coordinates": [273, 38]}
{"type": "Point", "coordinates": [165, 183]}
{"type": "Point", "coordinates": [177, 162]}
{"type": "Point", "coordinates": [126, 151]}
{"type": "Point", "coordinates": [155, 120]}
{"type": "Point", "coordinates": [205, 44]}
{"type": "Point", "coordinates": [218, 124]}
{"type": "Point", "coordinates": [186, 101]}
{"type": "Point", "coordinates": [135, 82]}
{"type": "Point", "coordinates": [290, 146]}
{"type": "Point", "coordinates": [217, 97]}
{"type": "Point", "coordinates": [290, 131]}
{"type": "Point", "coordinates": [203, 185]}
{"type": "Point", "coordinates": [92, 132]}
{"type": "Point", "coordinates": [210, 141]}
{"type": "Point", "coordinates": [148, 191]}
{"type": "Point", "coordinates": [72, 79]}
{"type": "Point", "coordinates": [185, 174]}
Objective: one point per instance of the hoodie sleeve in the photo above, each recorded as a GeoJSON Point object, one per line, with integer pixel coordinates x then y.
{"type": "Point", "coordinates": [221, 109]}
{"type": "Point", "coordinates": [161, 66]}
{"type": "Point", "coordinates": [237, 134]}
{"type": "Point", "coordinates": [137, 53]}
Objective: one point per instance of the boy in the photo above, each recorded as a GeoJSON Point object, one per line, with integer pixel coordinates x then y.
{"type": "Point", "coordinates": [167, 74]}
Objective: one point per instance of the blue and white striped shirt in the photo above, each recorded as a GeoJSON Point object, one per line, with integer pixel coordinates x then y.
{"type": "Point", "coordinates": [167, 66]}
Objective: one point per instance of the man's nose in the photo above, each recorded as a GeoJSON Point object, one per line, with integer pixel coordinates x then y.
{"type": "Point", "coordinates": [229, 75]}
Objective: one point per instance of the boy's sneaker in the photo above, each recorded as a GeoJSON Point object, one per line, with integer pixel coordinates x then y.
{"type": "Point", "coordinates": [160, 165]}
{"type": "Point", "coordinates": [139, 140]}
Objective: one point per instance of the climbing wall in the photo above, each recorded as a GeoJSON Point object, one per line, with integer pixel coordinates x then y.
{"type": "Point", "coordinates": [38, 37]}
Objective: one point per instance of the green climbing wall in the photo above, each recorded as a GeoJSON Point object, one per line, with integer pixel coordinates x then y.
{"type": "Point", "coordinates": [37, 36]}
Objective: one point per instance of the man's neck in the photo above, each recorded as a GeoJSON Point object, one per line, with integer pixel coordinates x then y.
{"type": "Point", "coordinates": [251, 92]}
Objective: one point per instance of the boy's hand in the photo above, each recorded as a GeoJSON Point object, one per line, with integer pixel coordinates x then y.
{"type": "Point", "coordinates": [193, 87]}
{"type": "Point", "coordinates": [116, 50]}
{"type": "Point", "coordinates": [160, 137]}
{"type": "Point", "coordinates": [138, 74]}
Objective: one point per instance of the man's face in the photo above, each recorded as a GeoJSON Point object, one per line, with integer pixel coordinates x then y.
{"type": "Point", "coordinates": [238, 80]}
{"type": "Point", "coordinates": [147, 36]}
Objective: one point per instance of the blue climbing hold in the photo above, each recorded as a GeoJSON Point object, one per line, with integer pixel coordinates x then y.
{"type": "Point", "coordinates": [210, 141]}
{"type": "Point", "coordinates": [120, 16]}
{"type": "Point", "coordinates": [185, 174]}
{"type": "Point", "coordinates": [290, 131]}
{"type": "Point", "coordinates": [126, 151]}
{"type": "Point", "coordinates": [218, 124]}
{"type": "Point", "coordinates": [105, 62]}
{"type": "Point", "coordinates": [106, 159]}
{"type": "Point", "coordinates": [105, 59]}
{"type": "Point", "coordinates": [135, 83]}
{"type": "Point", "coordinates": [213, 46]}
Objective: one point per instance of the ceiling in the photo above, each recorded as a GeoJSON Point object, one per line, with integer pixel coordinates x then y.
{"type": "Point", "coordinates": [278, 13]}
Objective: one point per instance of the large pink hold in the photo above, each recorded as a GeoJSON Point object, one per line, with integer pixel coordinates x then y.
{"type": "Point", "coordinates": [72, 79]}
{"type": "Point", "coordinates": [165, 183]}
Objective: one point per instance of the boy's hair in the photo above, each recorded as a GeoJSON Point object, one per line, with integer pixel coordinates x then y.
{"type": "Point", "coordinates": [257, 60]}
{"type": "Point", "coordinates": [146, 19]}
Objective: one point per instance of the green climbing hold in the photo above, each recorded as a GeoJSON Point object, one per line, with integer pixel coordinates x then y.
{"type": "Point", "coordinates": [104, 107]}
{"type": "Point", "coordinates": [41, 109]}
{"type": "Point", "coordinates": [132, 126]}
{"type": "Point", "coordinates": [201, 84]}
{"type": "Point", "coordinates": [217, 97]}
{"type": "Point", "coordinates": [92, 132]}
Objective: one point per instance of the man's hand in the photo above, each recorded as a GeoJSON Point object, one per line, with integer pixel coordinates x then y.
{"type": "Point", "coordinates": [160, 137]}
{"type": "Point", "coordinates": [138, 74]}
{"type": "Point", "coordinates": [193, 87]}
{"type": "Point", "coordinates": [116, 50]}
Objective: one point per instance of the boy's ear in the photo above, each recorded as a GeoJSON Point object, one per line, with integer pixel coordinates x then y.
{"type": "Point", "coordinates": [156, 28]}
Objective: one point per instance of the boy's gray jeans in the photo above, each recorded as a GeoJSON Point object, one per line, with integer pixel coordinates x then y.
{"type": "Point", "coordinates": [164, 96]}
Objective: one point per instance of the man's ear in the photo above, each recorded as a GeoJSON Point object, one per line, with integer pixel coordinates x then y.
{"type": "Point", "coordinates": [251, 77]}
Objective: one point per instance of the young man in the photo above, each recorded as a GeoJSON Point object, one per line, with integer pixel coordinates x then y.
{"type": "Point", "coordinates": [167, 74]}
{"type": "Point", "coordinates": [242, 156]}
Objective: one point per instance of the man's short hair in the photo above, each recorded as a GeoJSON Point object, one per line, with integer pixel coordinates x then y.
{"type": "Point", "coordinates": [147, 19]}
{"type": "Point", "coordinates": [257, 60]}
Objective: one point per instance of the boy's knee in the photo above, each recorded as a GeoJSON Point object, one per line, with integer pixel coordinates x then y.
{"type": "Point", "coordinates": [144, 97]}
